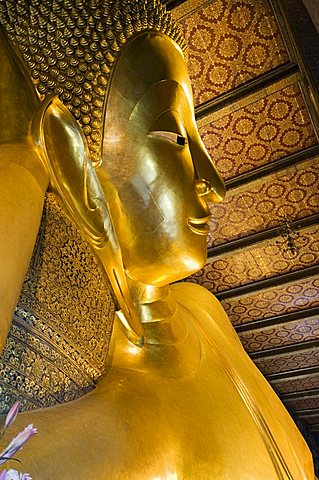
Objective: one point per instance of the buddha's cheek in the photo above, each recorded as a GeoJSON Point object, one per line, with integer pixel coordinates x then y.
{"type": "Point", "coordinates": [168, 255]}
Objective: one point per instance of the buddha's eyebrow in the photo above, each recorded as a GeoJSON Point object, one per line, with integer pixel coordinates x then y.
{"type": "Point", "coordinates": [157, 100]}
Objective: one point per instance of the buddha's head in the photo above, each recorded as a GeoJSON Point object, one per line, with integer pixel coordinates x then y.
{"type": "Point", "coordinates": [155, 170]}
{"type": "Point", "coordinates": [118, 67]}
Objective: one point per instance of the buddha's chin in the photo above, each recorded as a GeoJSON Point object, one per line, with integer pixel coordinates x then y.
{"type": "Point", "coordinates": [171, 269]}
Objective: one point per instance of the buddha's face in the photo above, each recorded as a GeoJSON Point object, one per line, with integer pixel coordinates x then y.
{"type": "Point", "coordinates": [155, 170]}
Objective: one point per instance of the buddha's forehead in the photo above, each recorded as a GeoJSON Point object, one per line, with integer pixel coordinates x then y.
{"type": "Point", "coordinates": [160, 98]}
{"type": "Point", "coordinates": [150, 72]}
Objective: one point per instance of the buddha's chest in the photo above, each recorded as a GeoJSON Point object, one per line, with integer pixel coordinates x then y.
{"type": "Point", "coordinates": [193, 427]}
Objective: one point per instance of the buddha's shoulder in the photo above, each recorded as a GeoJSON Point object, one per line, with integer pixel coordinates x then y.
{"type": "Point", "coordinates": [197, 298]}
{"type": "Point", "coordinates": [188, 288]}
{"type": "Point", "coordinates": [205, 308]}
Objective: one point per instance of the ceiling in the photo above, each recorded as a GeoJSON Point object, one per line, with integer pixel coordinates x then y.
{"type": "Point", "coordinates": [255, 79]}
{"type": "Point", "coordinates": [256, 112]}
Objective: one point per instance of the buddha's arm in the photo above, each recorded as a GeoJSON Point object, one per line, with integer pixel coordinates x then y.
{"type": "Point", "coordinates": [23, 182]}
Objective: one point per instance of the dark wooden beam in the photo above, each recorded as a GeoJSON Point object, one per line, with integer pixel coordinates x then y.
{"type": "Point", "coordinates": [252, 86]}
{"type": "Point", "coordinates": [269, 282]}
{"type": "Point", "coordinates": [313, 428]}
{"type": "Point", "coordinates": [258, 237]}
{"type": "Point", "coordinates": [296, 347]}
{"type": "Point", "coordinates": [272, 167]}
{"type": "Point", "coordinates": [300, 395]}
{"type": "Point", "coordinates": [289, 374]}
{"type": "Point", "coordinates": [309, 412]}
{"type": "Point", "coordinates": [312, 8]}
{"type": "Point", "coordinates": [170, 4]}
{"type": "Point", "coordinates": [303, 43]}
{"type": "Point", "coordinates": [278, 320]}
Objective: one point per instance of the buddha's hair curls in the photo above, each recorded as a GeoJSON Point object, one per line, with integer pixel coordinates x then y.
{"type": "Point", "coordinates": [70, 46]}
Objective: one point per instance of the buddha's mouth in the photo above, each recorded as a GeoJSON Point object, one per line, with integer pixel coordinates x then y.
{"type": "Point", "coordinates": [199, 225]}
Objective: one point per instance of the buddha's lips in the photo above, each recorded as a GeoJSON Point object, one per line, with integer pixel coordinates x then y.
{"type": "Point", "coordinates": [199, 225]}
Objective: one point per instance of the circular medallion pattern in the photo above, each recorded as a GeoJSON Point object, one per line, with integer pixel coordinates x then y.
{"type": "Point", "coordinates": [265, 203]}
{"type": "Point", "coordinates": [280, 335]}
{"type": "Point", "coordinates": [262, 260]}
{"type": "Point", "coordinates": [266, 127]}
{"type": "Point", "coordinates": [241, 16]}
{"type": "Point", "coordinates": [229, 46]}
{"type": "Point", "coordinates": [240, 45]}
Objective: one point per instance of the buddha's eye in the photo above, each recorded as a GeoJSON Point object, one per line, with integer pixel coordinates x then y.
{"type": "Point", "coordinates": [172, 137]}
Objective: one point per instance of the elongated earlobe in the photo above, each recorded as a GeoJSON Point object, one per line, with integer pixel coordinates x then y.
{"type": "Point", "coordinates": [71, 172]}
{"type": "Point", "coordinates": [73, 177]}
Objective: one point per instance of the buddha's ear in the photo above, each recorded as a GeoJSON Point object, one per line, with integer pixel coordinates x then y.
{"type": "Point", "coordinates": [71, 172]}
{"type": "Point", "coordinates": [64, 150]}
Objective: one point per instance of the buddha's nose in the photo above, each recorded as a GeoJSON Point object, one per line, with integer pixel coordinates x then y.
{"type": "Point", "coordinates": [210, 193]}
{"type": "Point", "coordinates": [209, 184]}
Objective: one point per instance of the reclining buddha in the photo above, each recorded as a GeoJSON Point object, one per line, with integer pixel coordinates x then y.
{"type": "Point", "coordinates": [114, 136]}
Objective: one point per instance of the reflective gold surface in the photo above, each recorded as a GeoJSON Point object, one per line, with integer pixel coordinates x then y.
{"type": "Point", "coordinates": [73, 177]}
{"type": "Point", "coordinates": [179, 398]}
{"type": "Point", "coordinates": [191, 405]}
{"type": "Point", "coordinates": [23, 182]}
{"type": "Point", "coordinates": [160, 189]}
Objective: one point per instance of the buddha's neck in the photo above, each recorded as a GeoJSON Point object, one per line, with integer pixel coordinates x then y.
{"type": "Point", "coordinates": [171, 348]}
{"type": "Point", "coordinates": [158, 312]}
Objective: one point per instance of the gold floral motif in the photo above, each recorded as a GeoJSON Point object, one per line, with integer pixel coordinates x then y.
{"type": "Point", "coordinates": [244, 42]}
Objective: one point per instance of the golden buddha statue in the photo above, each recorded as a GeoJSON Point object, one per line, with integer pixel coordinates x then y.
{"type": "Point", "coordinates": [179, 399]}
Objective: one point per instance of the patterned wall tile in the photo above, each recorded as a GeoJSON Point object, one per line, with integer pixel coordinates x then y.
{"type": "Point", "coordinates": [280, 335]}
{"type": "Point", "coordinates": [270, 302]}
{"type": "Point", "coordinates": [304, 382]}
{"type": "Point", "coordinates": [187, 8]}
{"type": "Point", "coordinates": [231, 42]}
{"type": "Point", "coordinates": [261, 260]}
{"type": "Point", "coordinates": [270, 128]}
{"type": "Point", "coordinates": [263, 204]}
{"type": "Point", "coordinates": [288, 361]}
{"type": "Point", "coordinates": [58, 341]}
{"type": "Point", "coordinates": [304, 403]}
